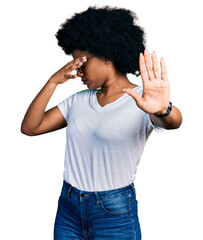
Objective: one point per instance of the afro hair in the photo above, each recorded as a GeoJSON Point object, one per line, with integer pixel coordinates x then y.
{"type": "Point", "coordinates": [107, 32]}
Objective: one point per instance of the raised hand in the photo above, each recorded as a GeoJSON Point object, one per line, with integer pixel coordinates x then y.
{"type": "Point", "coordinates": [156, 90]}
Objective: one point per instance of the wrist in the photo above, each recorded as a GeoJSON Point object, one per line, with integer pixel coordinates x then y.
{"type": "Point", "coordinates": [164, 113]}
{"type": "Point", "coordinates": [52, 82]}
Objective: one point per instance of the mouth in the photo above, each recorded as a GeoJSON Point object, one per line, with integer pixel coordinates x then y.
{"type": "Point", "coordinates": [84, 81]}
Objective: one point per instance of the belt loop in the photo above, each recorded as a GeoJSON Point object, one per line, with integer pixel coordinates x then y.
{"type": "Point", "coordinates": [132, 186]}
{"type": "Point", "coordinates": [69, 191]}
{"type": "Point", "coordinates": [97, 197]}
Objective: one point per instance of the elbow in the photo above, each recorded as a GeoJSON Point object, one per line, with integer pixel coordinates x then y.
{"type": "Point", "coordinates": [26, 131]}
{"type": "Point", "coordinates": [179, 122]}
{"type": "Point", "coordinates": [175, 125]}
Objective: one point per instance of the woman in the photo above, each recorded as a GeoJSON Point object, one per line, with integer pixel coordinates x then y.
{"type": "Point", "coordinates": [108, 124]}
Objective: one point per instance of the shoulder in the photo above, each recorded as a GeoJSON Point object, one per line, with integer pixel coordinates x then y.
{"type": "Point", "coordinates": [83, 93]}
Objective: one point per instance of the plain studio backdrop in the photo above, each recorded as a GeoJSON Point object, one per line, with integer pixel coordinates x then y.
{"type": "Point", "coordinates": [169, 176]}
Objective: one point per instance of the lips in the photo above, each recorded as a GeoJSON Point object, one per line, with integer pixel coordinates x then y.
{"type": "Point", "coordinates": [84, 81]}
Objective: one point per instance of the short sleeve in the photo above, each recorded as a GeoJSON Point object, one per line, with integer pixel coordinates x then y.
{"type": "Point", "coordinates": [64, 107]}
{"type": "Point", "coordinates": [152, 126]}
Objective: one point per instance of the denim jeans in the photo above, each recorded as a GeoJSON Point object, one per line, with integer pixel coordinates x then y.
{"type": "Point", "coordinates": [98, 215]}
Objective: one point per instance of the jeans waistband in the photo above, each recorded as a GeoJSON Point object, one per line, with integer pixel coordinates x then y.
{"type": "Point", "coordinates": [98, 194]}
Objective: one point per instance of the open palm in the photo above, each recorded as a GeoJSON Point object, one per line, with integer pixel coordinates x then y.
{"type": "Point", "coordinates": [156, 90]}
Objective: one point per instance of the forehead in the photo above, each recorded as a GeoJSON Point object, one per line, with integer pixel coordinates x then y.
{"type": "Point", "coordinates": [80, 53]}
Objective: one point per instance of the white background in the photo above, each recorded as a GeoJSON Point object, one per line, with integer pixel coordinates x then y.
{"type": "Point", "coordinates": [169, 178]}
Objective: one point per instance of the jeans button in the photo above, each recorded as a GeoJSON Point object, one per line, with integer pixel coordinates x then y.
{"type": "Point", "coordinates": [82, 195]}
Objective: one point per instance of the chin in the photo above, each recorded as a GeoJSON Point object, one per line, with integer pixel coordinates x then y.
{"type": "Point", "coordinates": [90, 87]}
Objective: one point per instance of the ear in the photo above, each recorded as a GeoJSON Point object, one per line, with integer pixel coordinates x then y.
{"type": "Point", "coordinates": [103, 59]}
{"type": "Point", "coordinates": [107, 61]}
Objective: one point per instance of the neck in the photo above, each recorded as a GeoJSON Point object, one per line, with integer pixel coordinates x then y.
{"type": "Point", "coordinates": [115, 85]}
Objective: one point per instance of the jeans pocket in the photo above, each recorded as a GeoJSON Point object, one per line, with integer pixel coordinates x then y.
{"type": "Point", "coordinates": [116, 205]}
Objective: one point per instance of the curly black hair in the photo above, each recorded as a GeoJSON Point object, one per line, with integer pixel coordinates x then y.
{"type": "Point", "coordinates": [107, 32]}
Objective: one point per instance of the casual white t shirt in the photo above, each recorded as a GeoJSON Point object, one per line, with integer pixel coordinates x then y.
{"type": "Point", "coordinates": [103, 144]}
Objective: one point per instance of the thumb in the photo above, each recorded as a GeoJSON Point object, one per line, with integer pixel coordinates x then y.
{"type": "Point", "coordinates": [133, 94]}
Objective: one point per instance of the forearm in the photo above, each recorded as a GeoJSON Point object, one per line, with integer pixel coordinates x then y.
{"type": "Point", "coordinates": [35, 112]}
{"type": "Point", "coordinates": [172, 121]}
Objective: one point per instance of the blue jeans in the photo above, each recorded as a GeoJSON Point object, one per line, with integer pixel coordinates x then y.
{"type": "Point", "coordinates": [97, 215]}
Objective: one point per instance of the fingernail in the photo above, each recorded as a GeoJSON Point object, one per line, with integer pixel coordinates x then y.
{"type": "Point", "coordinates": [145, 51]}
{"type": "Point", "coordinates": [84, 58]}
{"type": "Point", "coordinates": [124, 90]}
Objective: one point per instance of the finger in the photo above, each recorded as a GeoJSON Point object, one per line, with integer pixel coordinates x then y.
{"type": "Point", "coordinates": [78, 63]}
{"type": "Point", "coordinates": [143, 69]}
{"type": "Point", "coordinates": [133, 93]}
{"type": "Point", "coordinates": [74, 66]}
{"type": "Point", "coordinates": [148, 64]}
{"type": "Point", "coordinates": [155, 65]}
{"type": "Point", "coordinates": [163, 70]}
{"type": "Point", "coordinates": [69, 76]}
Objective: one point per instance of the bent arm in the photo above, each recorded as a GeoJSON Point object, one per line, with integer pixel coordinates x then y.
{"type": "Point", "coordinates": [172, 121]}
{"type": "Point", "coordinates": [52, 120]}
{"type": "Point", "coordinates": [36, 121]}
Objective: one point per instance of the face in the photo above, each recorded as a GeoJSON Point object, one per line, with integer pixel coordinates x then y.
{"type": "Point", "coordinates": [95, 70]}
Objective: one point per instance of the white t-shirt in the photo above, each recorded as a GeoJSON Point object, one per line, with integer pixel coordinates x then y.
{"type": "Point", "coordinates": [103, 144]}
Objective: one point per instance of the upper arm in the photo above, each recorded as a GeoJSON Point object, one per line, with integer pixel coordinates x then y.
{"type": "Point", "coordinates": [53, 120]}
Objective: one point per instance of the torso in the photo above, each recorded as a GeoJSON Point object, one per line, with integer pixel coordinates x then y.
{"type": "Point", "coordinates": [102, 100]}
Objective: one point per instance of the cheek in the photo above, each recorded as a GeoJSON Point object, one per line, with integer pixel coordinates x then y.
{"type": "Point", "coordinates": [96, 71]}
{"type": "Point", "coordinates": [101, 71]}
